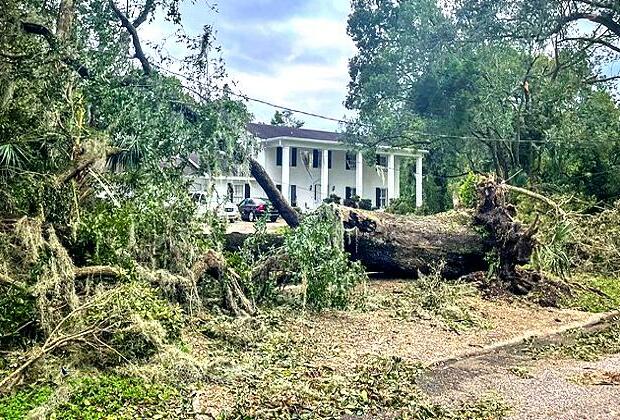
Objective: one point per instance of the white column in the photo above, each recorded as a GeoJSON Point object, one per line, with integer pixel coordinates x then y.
{"type": "Point", "coordinates": [359, 175]}
{"type": "Point", "coordinates": [391, 175]}
{"type": "Point", "coordinates": [286, 173]}
{"type": "Point", "coordinates": [418, 182]}
{"type": "Point", "coordinates": [325, 175]}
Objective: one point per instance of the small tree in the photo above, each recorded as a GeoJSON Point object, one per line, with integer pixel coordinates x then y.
{"type": "Point", "coordinates": [286, 119]}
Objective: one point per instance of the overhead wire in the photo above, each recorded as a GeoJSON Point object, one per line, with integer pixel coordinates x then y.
{"type": "Point", "coordinates": [229, 91]}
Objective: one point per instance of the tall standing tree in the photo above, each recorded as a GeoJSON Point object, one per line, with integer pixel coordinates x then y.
{"type": "Point", "coordinates": [423, 78]}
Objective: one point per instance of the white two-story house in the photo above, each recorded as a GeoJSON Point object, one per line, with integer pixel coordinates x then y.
{"type": "Point", "coordinates": [309, 166]}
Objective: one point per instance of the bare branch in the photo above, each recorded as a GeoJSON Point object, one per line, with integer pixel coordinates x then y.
{"type": "Point", "coordinates": [139, 53]}
{"type": "Point", "coordinates": [593, 41]}
{"type": "Point", "coordinates": [149, 6]}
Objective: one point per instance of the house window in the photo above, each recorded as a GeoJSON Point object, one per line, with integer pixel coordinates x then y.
{"type": "Point", "coordinates": [350, 161]}
{"type": "Point", "coordinates": [278, 156]}
{"type": "Point", "coordinates": [238, 193]}
{"type": "Point", "coordinates": [316, 158]}
{"type": "Point", "coordinates": [381, 198]}
{"type": "Point", "coordinates": [349, 193]}
{"type": "Point", "coordinates": [329, 159]}
{"type": "Point", "coordinates": [294, 195]}
{"type": "Point", "coordinates": [293, 156]}
{"type": "Point", "coordinates": [247, 191]}
{"type": "Point", "coordinates": [382, 161]}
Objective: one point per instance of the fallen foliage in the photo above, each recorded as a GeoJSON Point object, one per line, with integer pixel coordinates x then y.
{"type": "Point", "coordinates": [585, 345]}
{"type": "Point", "coordinates": [433, 298]}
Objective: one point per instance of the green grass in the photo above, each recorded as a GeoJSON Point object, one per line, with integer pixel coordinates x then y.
{"type": "Point", "coordinates": [592, 302]}
{"type": "Point", "coordinates": [113, 396]}
{"type": "Point", "coordinates": [19, 404]}
{"type": "Point", "coordinates": [586, 345]}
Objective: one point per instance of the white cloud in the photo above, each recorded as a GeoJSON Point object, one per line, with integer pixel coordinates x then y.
{"type": "Point", "coordinates": [312, 72]}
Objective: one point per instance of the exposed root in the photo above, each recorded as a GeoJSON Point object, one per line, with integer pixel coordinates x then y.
{"type": "Point", "coordinates": [507, 238]}
{"type": "Point", "coordinates": [214, 265]}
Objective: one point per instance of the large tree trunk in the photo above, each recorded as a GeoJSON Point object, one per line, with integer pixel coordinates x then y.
{"type": "Point", "coordinates": [264, 180]}
{"type": "Point", "coordinates": [407, 245]}
{"type": "Point", "coordinates": [461, 243]}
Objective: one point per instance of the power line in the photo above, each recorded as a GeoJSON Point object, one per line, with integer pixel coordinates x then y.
{"type": "Point", "coordinates": [341, 121]}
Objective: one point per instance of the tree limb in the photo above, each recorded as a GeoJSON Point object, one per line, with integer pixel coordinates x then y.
{"type": "Point", "coordinates": [144, 13]}
{"type": "Point", "coordinates": [99, 271]}
{"type": "Point", "coordinates": [139, 53]}
{"type": "Point", "coordinates": [604, 19]}
{"type": "Point", "coordinates": [15, 284]}
{"type": "Point", "coordinates": [594, 41]}
{"type": "Point", "coordinates": [52, 41]}
{"type": "Point", "coordinates": [536, 196]}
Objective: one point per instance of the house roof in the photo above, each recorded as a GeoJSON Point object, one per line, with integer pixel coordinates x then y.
{"type": "Point", "coordinates": [266, 131]}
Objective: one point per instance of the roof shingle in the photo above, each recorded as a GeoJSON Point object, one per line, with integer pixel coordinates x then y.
{"type": "Point", "coordinates": [266, 131]}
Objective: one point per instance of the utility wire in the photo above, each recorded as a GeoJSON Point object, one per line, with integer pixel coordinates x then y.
{"type": "Point", "coordinates": [341, 121]}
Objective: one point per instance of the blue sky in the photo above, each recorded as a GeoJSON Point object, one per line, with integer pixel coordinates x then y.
{"type": "Point", "coordinates": [290, 52]}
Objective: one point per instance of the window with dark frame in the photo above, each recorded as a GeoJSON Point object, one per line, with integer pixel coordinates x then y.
{"type": "Point", "coordinates": [350, 192]}
{"type": "Point", "coordinates": [316, 158]}
{"type": "Point", "coordinates": [293, 156]}
{"type": "Point", "coordinates": [381, 198]}
{"type": "Point", "coordinates": [329, 159]}
{"type": "Point", "coordinates": [382, 161]}
{"type": "Point", "coordinates": [294, 195]}
{"type": "Point", "coordinates": [278, 156]}
{"type": "Point", "coordinates": [350, 161]}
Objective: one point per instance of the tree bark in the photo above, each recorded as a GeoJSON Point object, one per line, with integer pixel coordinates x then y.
{"type": "Point", "coordinates": [409, 245]}
{"type": "Point", "coordinates": [264, 180]}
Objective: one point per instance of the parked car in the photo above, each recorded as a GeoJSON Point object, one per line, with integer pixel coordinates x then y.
{"type": "Point", "coordinates": [226, 210]}
{"type": "Point", "coordinates": [252, 209]}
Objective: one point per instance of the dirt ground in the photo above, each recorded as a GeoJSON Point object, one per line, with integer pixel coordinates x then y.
{"type": "Point", "coordinates": [248, 227]}
{"type": "Point", "coordinates": [336, 341]}
{"type": "Point", "coordinates": [343, 336]}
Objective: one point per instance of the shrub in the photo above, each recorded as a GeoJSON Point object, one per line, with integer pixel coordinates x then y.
{"type": "Point", "coordinates": [468, 196]}
{"type": "Point", "coordinates": [114, 396]}
{"type": "Point", "coordinates": [403, 205]}
{"type": "Point", "coordinates": [319, 262]}
{"type": "Point", "coordinates": [18, 310]}
{"type": "Point", "coordinates": [18, 405]}
{"type": "Point", "coordinates": [365, 204]}
{"type": "Point", "coordinates": [333, 198]}
{"type": "Point", "coordinates": [155, 226]}
{"type": "Point", "coordinates": [353, 202]}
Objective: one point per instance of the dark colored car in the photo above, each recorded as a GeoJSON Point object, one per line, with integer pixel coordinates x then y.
{"type": "Point", "coordinates": [252, 209]}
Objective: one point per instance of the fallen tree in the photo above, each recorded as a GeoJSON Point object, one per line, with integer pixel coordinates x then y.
{"type": "Point", "coordinates": [465, 242]}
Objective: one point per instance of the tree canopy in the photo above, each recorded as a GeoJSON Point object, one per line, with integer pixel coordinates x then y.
{"type": "Point", "coordinates": [479, 100]}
